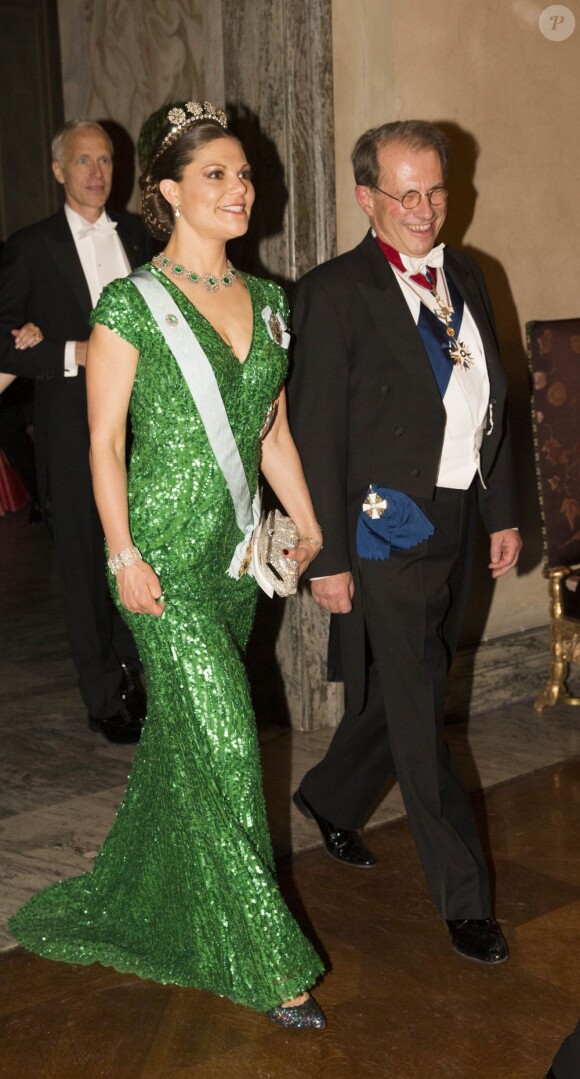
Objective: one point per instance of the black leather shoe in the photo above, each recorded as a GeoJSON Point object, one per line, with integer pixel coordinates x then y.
{"type": "Point", "coordinates": [301, 1017]}
{"type": "Point", "coordinates": [341, 843]}
{"type": "Point", "coordinates": [121, 728]}
{"type": "Point", "coordinates": [478, 938]}
{"type": "Point", "coordinates": [133, 694]}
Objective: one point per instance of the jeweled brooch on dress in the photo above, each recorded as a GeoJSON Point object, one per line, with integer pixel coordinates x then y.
{"type": "Point", "coordinates": [276, 327]}
{"type": "Point", "coordinates": [171, 320]}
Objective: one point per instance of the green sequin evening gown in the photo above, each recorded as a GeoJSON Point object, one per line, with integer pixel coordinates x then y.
{"type": "Point", "coordinates": [183, 890]}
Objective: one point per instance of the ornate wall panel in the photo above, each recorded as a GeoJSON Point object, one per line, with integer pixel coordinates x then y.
{"type": "Point", "coordinates": [122, 60]}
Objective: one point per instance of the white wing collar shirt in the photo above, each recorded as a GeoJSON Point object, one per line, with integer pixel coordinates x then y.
{"type": "Point", "coordinates": [103, 259]}
{"type": "Point", "coordinates": [467, 395]}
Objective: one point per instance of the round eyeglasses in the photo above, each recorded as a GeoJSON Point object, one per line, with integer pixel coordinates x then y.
{"type": "Point", "coordinates": [411, 199]}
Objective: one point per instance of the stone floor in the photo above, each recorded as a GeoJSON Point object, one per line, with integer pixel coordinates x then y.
{"type": "Point", "coordinates": [61, 785]}
{"type": "Point", "coordinates": [400, 1003]}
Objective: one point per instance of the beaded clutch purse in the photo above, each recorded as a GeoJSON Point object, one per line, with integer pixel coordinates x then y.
{"type": "Point", "coordinates": [274, 534]}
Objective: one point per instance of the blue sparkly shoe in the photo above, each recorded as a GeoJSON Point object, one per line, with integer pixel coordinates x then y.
{"type": "Point", "coordinates": [301, 1016]}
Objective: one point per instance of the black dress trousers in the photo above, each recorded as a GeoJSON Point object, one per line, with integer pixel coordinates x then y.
{"type": "Point", "coordinates": [413, 608]}
{"type": "Point", "coordinates": [566, 1063]}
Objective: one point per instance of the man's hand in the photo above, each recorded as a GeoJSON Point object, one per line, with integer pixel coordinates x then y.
{"type": "Point", "coordinates": [334, 593]}
{"type": "Point", "coordinates": [27, 336]}
{"type": "Point", "coordinates": [504, 551]}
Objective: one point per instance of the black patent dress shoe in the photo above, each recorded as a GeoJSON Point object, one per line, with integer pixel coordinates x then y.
{"type": "Point", "coordinates": [341, 843]}
{"type": "Point", "coordinates": [121, 728]}
{"type": "Point", "coordinates": [301, 1017]}
{"type": "Point", "coordinates": [480, 939]}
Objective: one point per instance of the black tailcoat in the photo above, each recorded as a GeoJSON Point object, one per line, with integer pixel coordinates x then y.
{"type": "Point", "coordinates": [42, 281]}
{"type": "Point", "coordinates": [365, 408]}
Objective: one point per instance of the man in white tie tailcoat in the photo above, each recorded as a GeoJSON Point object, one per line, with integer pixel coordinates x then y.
{"type": "Point", "coordinates": [51, 275]}
{"type": "Point", "coordinates": [397, 405]}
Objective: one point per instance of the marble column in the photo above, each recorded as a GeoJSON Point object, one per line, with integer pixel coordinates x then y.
{"type": "Point", "coordinates": [276, 60]}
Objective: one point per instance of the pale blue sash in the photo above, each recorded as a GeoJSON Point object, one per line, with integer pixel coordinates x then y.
{"type": "Point", "coordinates": [200, 378]}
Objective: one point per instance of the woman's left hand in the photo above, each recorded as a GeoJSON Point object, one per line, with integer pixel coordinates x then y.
{"type": "Point", "coordinates": [304, 553]}
{"type": "Point", "coordinates": [27, 336]}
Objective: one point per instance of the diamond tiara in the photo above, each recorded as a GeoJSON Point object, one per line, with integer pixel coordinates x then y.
{"type": "Point", "coordinates": [182, 118]}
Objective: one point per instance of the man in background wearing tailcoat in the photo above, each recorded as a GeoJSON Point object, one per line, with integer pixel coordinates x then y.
{"type": "Point", "coordinates": [51, 275]}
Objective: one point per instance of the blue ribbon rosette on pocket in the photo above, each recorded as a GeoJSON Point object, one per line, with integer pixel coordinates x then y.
{"type": "Point", "coordinates": [388, 519]}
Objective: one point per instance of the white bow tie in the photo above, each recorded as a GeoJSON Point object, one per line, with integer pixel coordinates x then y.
{"type": "Point", "coordinates": [418, 265]}
{"type": "Point", "coordinates": [105, 226]}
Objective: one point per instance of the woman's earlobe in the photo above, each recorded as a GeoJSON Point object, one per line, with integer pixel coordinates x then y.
{"type": "Point", "coordinates": [167, 189]}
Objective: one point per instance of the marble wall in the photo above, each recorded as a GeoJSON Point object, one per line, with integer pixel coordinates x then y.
{"type": "Point", "coordinates": [278, 82]}
{"type": "Point", "coordinates": [121, 61]}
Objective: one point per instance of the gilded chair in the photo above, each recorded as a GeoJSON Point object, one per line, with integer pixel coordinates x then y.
{"type": "Point", "coordinates": [554, 360]}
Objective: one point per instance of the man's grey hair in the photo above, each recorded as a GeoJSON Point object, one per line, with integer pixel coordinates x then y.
{"type": "Point", "coordinates": [59, 140]}
{"type": "Point", "coordinates": [415, 134]}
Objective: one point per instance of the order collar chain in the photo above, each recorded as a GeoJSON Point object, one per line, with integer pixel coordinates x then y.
{"type": "Point", "coordinates": [459, 352]}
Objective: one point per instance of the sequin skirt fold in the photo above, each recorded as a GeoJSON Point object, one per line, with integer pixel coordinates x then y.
{"type": "Point", "coordinates": [183, 890]}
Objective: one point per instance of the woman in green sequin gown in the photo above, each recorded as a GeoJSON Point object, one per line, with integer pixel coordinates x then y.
{"type": "Point", "coordinates": [183, 890]}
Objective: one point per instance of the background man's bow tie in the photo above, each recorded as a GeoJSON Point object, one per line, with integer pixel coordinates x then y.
{"type": "Point", "coordinates": [105, 227]}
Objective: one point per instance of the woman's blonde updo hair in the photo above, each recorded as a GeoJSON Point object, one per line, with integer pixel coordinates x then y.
{"type": "Point", "coordinates": [169, 163]}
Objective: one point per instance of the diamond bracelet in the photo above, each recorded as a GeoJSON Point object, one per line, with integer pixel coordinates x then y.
{"type": "Point", "coordinates": [310, 539]}
{"type": "Point", "coordinates": [127, 557]}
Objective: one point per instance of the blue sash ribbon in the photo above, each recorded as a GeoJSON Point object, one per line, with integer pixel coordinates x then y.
{"type": "Point", "coordinates": [436, 339]}
{"type": "Point", "coordinates": [401, 525]}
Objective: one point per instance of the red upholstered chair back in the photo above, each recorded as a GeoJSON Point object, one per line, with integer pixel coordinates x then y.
{"type": "Point", "coordinates": [554, 359]}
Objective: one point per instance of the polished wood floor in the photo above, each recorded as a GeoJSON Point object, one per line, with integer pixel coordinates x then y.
{"type": "Point", "coordinates": [400, 1003]}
